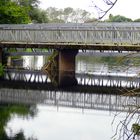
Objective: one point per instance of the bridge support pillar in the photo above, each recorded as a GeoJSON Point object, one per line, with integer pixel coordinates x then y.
{"type": "Point", "coordinates": [66, 67]}
{"type": "Point", "coordinates": [0, 55]}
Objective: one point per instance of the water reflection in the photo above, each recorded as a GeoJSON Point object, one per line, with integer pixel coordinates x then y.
{"type": "Point", "coordinates": [92, 62]}
{"type": "Point", "coordinates": [105, 66]}
{"type": "Point", "coordinates": [61, 114]}
{"type": "Point", "coordinates": [7, 111]}
{"type": "Point", "coordinates": [35, 76]}
{"type": "Point", "coordinates": [96, 101]}
{"type": "Point", "coordinates": [125, 66]}
{"type": "Point", "coordinates": [64, 124]}
{"type": "Point", "coordinates": [32, 108]}
{"type": "Point", "coordinates": [34, 62]}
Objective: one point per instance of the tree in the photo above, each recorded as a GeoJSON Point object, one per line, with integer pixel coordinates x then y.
{"type": "Point", "coordinates": [67, 12]}
{"type": "Point", "coordinates": [10, 12]}
{"type": "Point", "coordinates": [91, 20]}
{"type": "Point", "coordinates": [118, 18]}
{"type": "Point", "coordinates": [36, 14]}
{"type": "Point", "coordinates": [39, 16]}
{"type": "Point", "coordinates": [68, 15]}
{"type": "Point", "coordinates": [55, 15]}
{"type": "Point", "coordinates": [137, 20]}
{"type": "Point", "coordinates": [21, 11]}
{"type": "Point", "coordinates": [80, 16]}
{"type": "Point", "coordinates": [26, 3]}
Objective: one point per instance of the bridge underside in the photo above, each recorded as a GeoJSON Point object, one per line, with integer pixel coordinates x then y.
{"type": "Point", "coordinates": [60, 46]}
{"type": "Point", "coordinates": [67, 53]}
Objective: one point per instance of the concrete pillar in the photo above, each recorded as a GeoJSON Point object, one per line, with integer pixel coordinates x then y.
{"type": "Point", "coordinates": [0, 55]}
{"type": "Point", "coordinates": [66, 67]}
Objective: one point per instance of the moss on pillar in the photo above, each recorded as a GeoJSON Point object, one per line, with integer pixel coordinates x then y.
{"type": "Point", "coordinates": [52, 62]}
{"type": "Point", "coordinates": [60, 67]}
{"type": "Point", "coordinates": [51, 68]}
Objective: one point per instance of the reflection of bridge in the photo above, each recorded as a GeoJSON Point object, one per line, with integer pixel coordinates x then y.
{"type": "Point", "coordinates": [68, 99]}
{"type": "Point", "coordinates": [83, 79]}
{"type": "Point", "coordinates": [15, 88]}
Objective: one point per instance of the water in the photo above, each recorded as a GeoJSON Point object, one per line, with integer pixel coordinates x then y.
{"type": "Point", "coordinates": [96, 65]}
{"type": "Point", "coordinates": [48, 113]}
{"type": "Point", "coordinates": [64, 123]}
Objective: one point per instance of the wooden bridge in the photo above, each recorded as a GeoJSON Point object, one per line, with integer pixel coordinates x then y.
{"type": "Point", "coordinates": [95, 36]}
{"type": "Point", "coordinates": [67, 39]}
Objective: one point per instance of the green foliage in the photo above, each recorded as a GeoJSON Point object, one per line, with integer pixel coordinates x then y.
{"type": "Point", "coordinates": [55, 15]}
{"type": "Point", "coordinates": [68, 15]}
{"type": "Point", "coordinates": [26, 3]}
{"type": "Point", "coordinates": [53, 56]}
{"type": "Point", "coordinates": [10, 12]}
{"type": "Point", "coordinates": [12, 50]}
{"type": "Point", "coordinates": [118, 18]}
{"type": "Point", "coordinates": [1, 69]}
{"type": "Point", "coordinates": [21, 12]}
{"type": "Point", "coordinates": [136, 129]}
{"type": "Point", "coordinates": [38, 16]}
{"type": "Point", "coordinates": [137, 20]}
{"type": "Point", "coordinates": [28, 50]}
{"type": "Point", "coordinates": [6, 111]}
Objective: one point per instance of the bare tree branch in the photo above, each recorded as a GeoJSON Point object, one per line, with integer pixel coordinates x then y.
{"type": "Point", "coordinates": [101, 12]}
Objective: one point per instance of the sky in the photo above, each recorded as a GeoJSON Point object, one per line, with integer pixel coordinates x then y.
{"type": "Point", "coordinates": [128, 8]}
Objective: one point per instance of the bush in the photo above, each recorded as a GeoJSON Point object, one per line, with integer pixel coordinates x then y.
{"type": "Point", "coordinates": [1, 69]}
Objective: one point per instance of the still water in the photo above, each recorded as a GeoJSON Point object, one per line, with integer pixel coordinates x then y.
{"type": "Point", "coordinates": [55, 114]}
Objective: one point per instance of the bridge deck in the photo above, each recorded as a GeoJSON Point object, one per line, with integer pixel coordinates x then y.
{"type": "Point", "coordinates": [95, 36]}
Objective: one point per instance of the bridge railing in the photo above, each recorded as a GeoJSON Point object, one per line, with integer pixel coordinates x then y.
{"type": "Point", "coordinates": [101, 33]}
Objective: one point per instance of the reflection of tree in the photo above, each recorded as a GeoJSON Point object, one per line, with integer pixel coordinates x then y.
{"type": "Point", "coordinates": [129, 127]}
{"type": "Point", "coordinates": [6, 111]}
{"type": "Point", "coordinates": [111, 61]}
{"type": "Point", "coordinates": [116, 63]}
{"type": "Point", "coordinates": [17, 136]}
